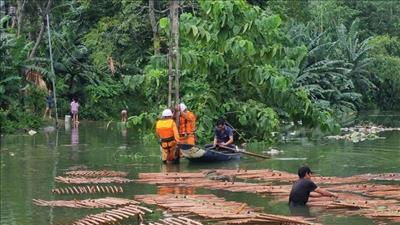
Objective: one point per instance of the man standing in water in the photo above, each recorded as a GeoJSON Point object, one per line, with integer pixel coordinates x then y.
{"type": "Point", "coordinates": [169, 137]}
{"type": "Point", "coordinates": [187, 125]}
{"type": "Point", "coordinates": [124, 115]}
{"type": "Point", "coordinates": [301, 192]}
{"type": "Point", "coordinates": [49, 104]}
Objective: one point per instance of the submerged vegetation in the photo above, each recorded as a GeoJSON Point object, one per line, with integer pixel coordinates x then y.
{"type": "Point", "coordinates": [259, 64]}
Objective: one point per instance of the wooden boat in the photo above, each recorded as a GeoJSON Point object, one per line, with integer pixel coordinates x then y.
{"type": "Point", "coordinates": [197, 154]}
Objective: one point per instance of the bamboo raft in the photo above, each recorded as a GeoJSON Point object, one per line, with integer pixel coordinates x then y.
{"type": "Point", "coordinates": [225, 180]}
{"type": "Point", "coordinates": [87, 203]}
{"type": "Point", "coordinates": [86, 180]}
{"type": "Point", "coordinates": [382, 176]}
{"type": "Point", "coordinates": [216, 209]}
{"type": "Point", "coordinates": [371, 190]}
{"type": "Point", "coordinates": [176, 221]}
{"type": "Point", "coordinates": [265, 174]}
{"type": "Point", "coordinates": [200, 181]}
{"type": "Point", "coordinates": [354, 204]}
{"type": "Point", "coordinates": [96, 173]}
{"type": "Point", "coordinates": [276, 175]}
{"type": "Point", "coordinates": [88, 189]}
{"type": "Point", "coordinates": [114, 215]}
{"type": "Point", "coordinates": [361, 199]}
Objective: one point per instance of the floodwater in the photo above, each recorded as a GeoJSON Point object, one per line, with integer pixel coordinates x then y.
{"type": "Point", "coordinates": [30, 163]}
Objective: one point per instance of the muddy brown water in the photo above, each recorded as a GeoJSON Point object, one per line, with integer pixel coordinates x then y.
{"type": "Point", "coordinates": [30, 163]}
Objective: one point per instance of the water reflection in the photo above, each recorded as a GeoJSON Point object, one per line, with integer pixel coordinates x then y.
{"type": "Point", "coordinates": [170, 167]}
{"type": "Point", "coordinates": [124, 132]}
{"type": "Point", "coordinates": [75, 144]}
{"type": "Point", "coordinates": [75, 136]}
{"type": "Point", "coordinates": [51, 137]}
{"type": "Point", "coordinates": [164, 190]}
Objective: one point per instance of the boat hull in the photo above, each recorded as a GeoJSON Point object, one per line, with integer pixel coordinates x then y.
{"type": "Point", "coordinates": [196, 154]}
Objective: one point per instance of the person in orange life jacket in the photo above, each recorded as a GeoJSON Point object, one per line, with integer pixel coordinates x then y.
{"type": "Point", "coordinates": [223, 135]}
{"type": "Point", "coordinates": [301, 191]}
{"type": "Point", "coordinates": [169, 137]}
{"type": "Point", "coordinates": [187, 125]}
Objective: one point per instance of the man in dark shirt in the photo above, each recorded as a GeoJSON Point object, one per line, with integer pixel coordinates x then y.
{"type": "Point", "coordinates": [301, 191]}
{"type": "Point", "coordinates": [223, 135]}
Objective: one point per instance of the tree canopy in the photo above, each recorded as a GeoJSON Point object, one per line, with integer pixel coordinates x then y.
{"type": "Point", "coordinates": [259, 64]}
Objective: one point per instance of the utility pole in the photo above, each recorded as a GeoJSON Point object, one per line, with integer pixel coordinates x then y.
{"type": "Point", "coordinates": [52, 68]}
{"type": "Point", "coordinates": [173, 54]}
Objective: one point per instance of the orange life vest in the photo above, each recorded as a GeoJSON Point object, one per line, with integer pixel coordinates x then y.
{"type": "Point", "coordinates": [166, 130]}
{"type": "Point", "coordinates": [187, 125]}
{"type": "Point", "coordinates": [168, 133]}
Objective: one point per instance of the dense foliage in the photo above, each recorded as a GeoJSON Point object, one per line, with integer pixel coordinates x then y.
{"type": "Point", "coordinates": [259, 64]}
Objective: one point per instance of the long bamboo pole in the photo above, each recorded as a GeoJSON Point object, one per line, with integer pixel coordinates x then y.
{"type": "Point", "coordinates": [243, 152]}
{"type": "Point", "coordinates": [52, 68]}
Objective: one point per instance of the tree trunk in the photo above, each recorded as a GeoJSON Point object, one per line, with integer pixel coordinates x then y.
{"type": "Point", "coordinates": [20, 14]}
{"type": "Point", "coordinates": [42, 26]}
{"type": "Point", "coordinates": [154, 27]}
{"type": "Point", "coordinates": [37, 42]}
{"type": "Point", "coordinates": [175, 34]}
{"type": "Point", "coordinates": [173, 54]}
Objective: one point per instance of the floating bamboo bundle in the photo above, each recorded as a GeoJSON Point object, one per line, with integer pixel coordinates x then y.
{"type": "Point", "coordinates": [394, 194]}
{"type": "Point", "coordinates": [176, 221]}
{"type": "Point", "coordinates": [384, 211]}
{"type": "Point", "coordinates": [195, 180]}
{"type": "Point", "coordinates": [88, 189]}
{"type": "Point", "coordinates": [338, 180]}
{"type": "Point", "coordinates": [170, 175]}
{"type": "Point", "coordinates": [266, 174]}
{"type": "Point", "coordinates": [275, 190]}
{"type": "Point", "coordinates": [275, 175]}
{"type": "Point", "coordinates": [87, 203]}
{"type": "Point", "coordinates": [114, 215]}
{"type": "Point", "coordinates": [382, 176]}
{"type": "Point", "coordinates": [352, 197]}
{"type": "Point", "coordinates": [224, 179]}
{"type": "Point", "coordinates": [98, 173]}
{"type": "Point", "coordinates": [372, 190]}
{"type": "Point", "coordinates": [228, 174]}
{"type": "Point", "coordinates": [372, 208]}
{"type": "Point", "coordinates": [85, 180]}
{"type": "Point", "coordinates": [163, 190]}
{"type": "Point", "coordinates": [217, 209]}
{"type": "Point", "coordinates": [362, 188]}
{"type": "Point", "coordinates": [394, 216]}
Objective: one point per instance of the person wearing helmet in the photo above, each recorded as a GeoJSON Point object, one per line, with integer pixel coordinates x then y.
{"type": "Point", "coordinates": [168, 133]}
{"type": "Point", "coordinates": [187, 125]}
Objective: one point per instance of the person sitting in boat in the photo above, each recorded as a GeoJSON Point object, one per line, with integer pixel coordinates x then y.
{"type": "Point", "coordinates": [169, 137]}
{"type": "Point", "coordinates": [187, 125]}
{"type": "Point", "coordinates": [301, 191]}
{"type": "Point", "coordinates": [223, 135]}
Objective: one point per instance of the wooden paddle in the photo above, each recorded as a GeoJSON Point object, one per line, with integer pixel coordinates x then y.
{"type": "Point", "coordinates": [243, 152]}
